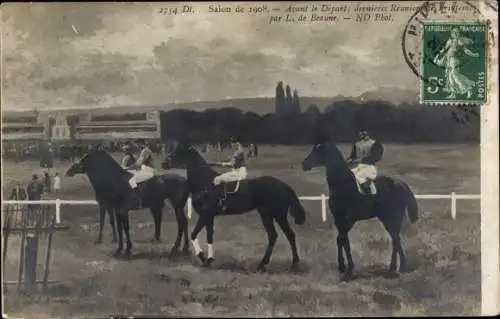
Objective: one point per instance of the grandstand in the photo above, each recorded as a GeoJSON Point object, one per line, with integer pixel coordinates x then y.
{"type": "Point", "coordinates": [24, 127]}
{"type": "Point", "coordinates": [120, 126]}
{"type": "Point", "coordinates": [66, 125]}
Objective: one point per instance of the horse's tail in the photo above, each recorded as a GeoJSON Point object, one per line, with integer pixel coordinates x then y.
{"type": "Point", "coordinates": [409, 200]}
{"type": "Point", "coordinates": [296, 209]}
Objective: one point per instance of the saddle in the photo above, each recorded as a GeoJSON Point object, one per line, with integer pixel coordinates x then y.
{"type": "Point", "coordinates": [226, 190]}
{"type": "Point", "coordinates": [139, 199]}
{"type": "Point", "coordinates": [369, 188]}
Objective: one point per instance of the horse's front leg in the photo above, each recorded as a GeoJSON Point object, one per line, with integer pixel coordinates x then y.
{"type": "Point", "coordinates": [126, 228]}
{"type": "Point", "coordinates": [112, 219]}
{"type": "Point", "coordinates": [194, 237]}
{"type": "Point", "coordinates": [209, 227]}
{"type": "Point", "coordinates": [157, 212]}
{"type": "Point", "coordinates": [119, 226]}
{"type": "Point", "coordinates": [340, 255]}
{"type": "Point", "coordinates": [102, 216]}
{"type": "Point", "coordinates": [181, 231]}
{"type": "Point", "coordinates": [344, 238]}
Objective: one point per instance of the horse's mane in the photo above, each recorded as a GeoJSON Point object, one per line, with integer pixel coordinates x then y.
{"type": "Point", "coordinates": [335, 151]}
{"type": "Point", "coordinates": [208, 171]}
{"type": "Point", "coordinates": [340, 171]}
{"type": "Point", "coordinates": [109, 167]}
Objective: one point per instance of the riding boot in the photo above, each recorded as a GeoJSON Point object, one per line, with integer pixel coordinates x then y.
{"type": "Point", "coordinates": [223, 206]}
{"type": "Point", "coordinates": [222, 201]}
{"type": "Point", "coordinates": [366, 187]}
{"type": "Point", "coordinates": [136, 200]}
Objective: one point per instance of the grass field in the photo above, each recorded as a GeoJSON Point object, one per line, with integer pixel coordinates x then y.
{"type": "Point", "coordinates": [444, 252]}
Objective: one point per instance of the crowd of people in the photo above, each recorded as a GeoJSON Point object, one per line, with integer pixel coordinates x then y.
{"type": "Point", "coordinates": [47, 152]}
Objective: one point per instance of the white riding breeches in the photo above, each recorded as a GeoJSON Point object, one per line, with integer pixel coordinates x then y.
{"type": "Point", "coordinates": [236, 174]}
{"type": "Point", "coordinates": [141, 175]}
{"type": "Point", "coordinates": [364, 173]}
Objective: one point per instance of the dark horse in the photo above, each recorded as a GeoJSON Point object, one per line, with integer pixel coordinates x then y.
{"type": "Point", "coordinates": [272, 198]}
{"type": "Point", "coordinates": [112, 191]}
{"type": "Point", "coordinates": [390, 204]}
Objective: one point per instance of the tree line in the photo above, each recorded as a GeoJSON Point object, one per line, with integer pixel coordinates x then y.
{"type": "Point", "coordinates": [289, 124]}
{"type": "Point", "coordinates": [387, 122]}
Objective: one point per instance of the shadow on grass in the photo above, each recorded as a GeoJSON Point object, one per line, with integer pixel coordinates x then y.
{"type": "Point", "coordinates": [249, 266]}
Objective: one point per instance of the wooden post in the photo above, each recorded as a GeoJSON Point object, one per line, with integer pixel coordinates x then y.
{"type": "Point", "coordinates": [49, 251]}
{"type": "Point", "coordinates": [24, 230]}
{"type": "Point", "coordinates": [5, 234]}
{"type": "Point", "coordinates": [189, 207]}
{"type": "Point", "coordinates": [323, 207]}
{"type": "Point", "coordinates": [58, 211]}
{"type": "Point", "coordinates": [30, 264]}
{"type": "Point", "coordinates": [453, 205]}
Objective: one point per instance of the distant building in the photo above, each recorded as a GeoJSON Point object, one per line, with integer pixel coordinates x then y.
{"type": "Point", "coordinates": [60, 129]}
{"type": "Point", "coordinates": [24, 127]}
{"type": "Point", "coordinates": [53, 125]}
{"type": "Point", "coordinates": [120, 126]}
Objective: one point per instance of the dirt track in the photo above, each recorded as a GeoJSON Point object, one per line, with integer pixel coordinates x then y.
{"type": "Point", "coordinates": [444, 253]}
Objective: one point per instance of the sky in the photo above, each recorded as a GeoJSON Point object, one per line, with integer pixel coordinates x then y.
{"type": "Point", "coordinates": [67, 55]}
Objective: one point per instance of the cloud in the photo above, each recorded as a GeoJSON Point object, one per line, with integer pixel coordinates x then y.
{"type": "Point", "coordinates": [132, 54]}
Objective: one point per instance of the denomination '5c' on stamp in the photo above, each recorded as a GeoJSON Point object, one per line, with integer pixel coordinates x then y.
{"type": "Point", "coordinates": [454, 63]}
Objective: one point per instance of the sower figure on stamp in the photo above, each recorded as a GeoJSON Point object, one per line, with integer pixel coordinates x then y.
{"type": "Point", "coordinates": [238, 169]}
{"type": "Point", "coordinates": [142, 170]}
{"type": "Point", "coordinates": [449, 57]}
{"type": "Point", "coordinates": [364, 154]}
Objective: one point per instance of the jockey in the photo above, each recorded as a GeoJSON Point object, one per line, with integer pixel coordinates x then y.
{"type": "Point", "coordinates": [128, 158]}
{"type": "Point", "coordinates": [142, 169]}
{"type": "Point", "coordinates": [364, 154]}
{"type": "Point", "coordinates": [237, 163]}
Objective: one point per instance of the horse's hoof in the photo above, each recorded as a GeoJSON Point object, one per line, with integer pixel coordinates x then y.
{"type": "Point", "coordinates": [391, 274]}
{"type": "Point", "coordinates": [342, 268]}
{"type": "Point", "coordinates": [261, 268]}
{"type": "Point", "coordinates": [404, 270]}
{"type": "Point", "coordinates": [128, 253]}
{"type": "Point", "coordinates": [173, 253]}
{"type": "Point", "coordinates": [347, 277]}
{"type": "Point", "coordinates": [202, 257]}
{"type": "Point", "coordinates": [208, 262]}
{"type": "Point", "coordinates": [294, 268]}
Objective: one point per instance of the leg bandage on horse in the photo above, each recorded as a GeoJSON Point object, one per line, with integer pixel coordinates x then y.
{"type": "Point", "coordinates": [196, 246]}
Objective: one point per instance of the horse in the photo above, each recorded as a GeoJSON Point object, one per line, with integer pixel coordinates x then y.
{"type": "Point", "coordinates": [392, 201]}
{"type": "Point", "coordinates": [272, 198]}
{"type": "Point", "coordinates": [112, 191]}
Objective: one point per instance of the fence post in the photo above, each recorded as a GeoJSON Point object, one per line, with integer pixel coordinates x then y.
{"type": "Point", "coordinates": [29, 261]}
{"type": "Point", "coordinates": [189, 207]}
{"type": "Point", "coordinates": [58, 211]}
{"type": "Point", "coordinates": [323, 207]}
{"type": "Point", "coordinates": [453, 205]}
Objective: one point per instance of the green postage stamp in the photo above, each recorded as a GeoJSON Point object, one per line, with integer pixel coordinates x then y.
{"type": "Point", "coordinates": [454, 63]}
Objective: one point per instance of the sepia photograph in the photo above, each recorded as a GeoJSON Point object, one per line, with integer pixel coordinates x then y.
{"type": "Point", "coordinates": [246, 159]}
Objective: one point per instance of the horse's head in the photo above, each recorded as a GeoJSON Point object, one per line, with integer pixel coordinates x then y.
{"type": "Point", "coordinates": [179, 157]}
{"type": "Point", "coordinates": [76, 168]}
{"type": "Point", "coordinates": [323, 153]}
{"type": "Point", "coordinates": [95, 160]}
